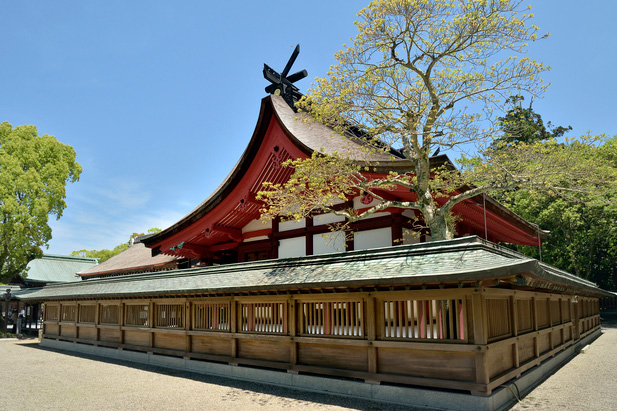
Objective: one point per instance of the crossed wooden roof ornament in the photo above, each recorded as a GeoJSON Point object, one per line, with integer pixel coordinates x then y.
{"type": "Point", "coordinates": [282, 84]}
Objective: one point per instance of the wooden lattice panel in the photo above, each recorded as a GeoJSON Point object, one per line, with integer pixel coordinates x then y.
{"type": "Point", "coordinates": [169, 315]}
{"type": "Point", "coordinates": [69, 313]}
{"type": "Point", "coordinates": [137, 314]}
{"type": "Point", "coordinates": [87, 313]}
{"type": "Point", "coordinates": [264, 317]}
{"type": "Point", "coordinates": [211, 316]}
{"type": "Point", "coordinates": [424, 319]}
{"type": "Point", "coordinates": [109, 314]}
{"type": "Point", "coordinates": [52, 312]}
{"type": "Point", "coordinates": [498, 318]}
{"type": "Point", "coordinates": [338, 318]}
{"type": "Point", "coordinates": [524, 316]}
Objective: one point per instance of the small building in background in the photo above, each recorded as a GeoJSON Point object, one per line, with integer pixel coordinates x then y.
{"type": "Point", "coordinates": [135, 259]}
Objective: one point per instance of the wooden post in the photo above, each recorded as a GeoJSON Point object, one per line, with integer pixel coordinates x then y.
{"type": "Point", "coordinates": [293, 331]}
{"type": "Point", "coordinates": [77, 320]}
{"type": "Point", "coordinates": [480, 336]}
{"type": "Point", "coordinates": [397, 229]}
{"type": "Point", "coordinates": [187, 326]}
{"type": "Point", "coordinates": [534, 309]}
{"type": "Point", "coordinates": [97, 321]}
{"type": "Point", "coordinates": [121, 321]}
{"type": "Point", "coordinates": [371, 327]}
{"type": "Point", "coordinates": [309, 236]}
{"type": "Point", "coordinates": [151, 323]}
{"type": "Point", "coordinates": [514, 317]}
{"type": "Point", "coordinates": [234, 329]}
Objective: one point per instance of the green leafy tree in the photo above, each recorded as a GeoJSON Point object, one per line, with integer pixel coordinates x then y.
{"type": "Point", "coordinates": [523, 124]}
{"type": "Point", "coordinates": [105, 254]}
{"type": "Point", "coordinates": [420, 75]}
{"type": "Point", "coordinates": [34, 171]}
{"type": "Point", "coordinates": [583, 228]}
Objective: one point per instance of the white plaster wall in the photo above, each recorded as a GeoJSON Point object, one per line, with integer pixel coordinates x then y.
{"type": "Point", "coordinates": [292, 247]}
{"type": "Point", "coordinates": [257, 225]}
{"type": "Point", "coordinates": [258, 238]}
{"type": "Point", "coordinates": [381, 237]}
{"type": "Point", "coordinates": [292, 225]}
{"type": "Point", "coordinates": [328, 218]}
{"type": "Point", "coordinates": [329, 243]}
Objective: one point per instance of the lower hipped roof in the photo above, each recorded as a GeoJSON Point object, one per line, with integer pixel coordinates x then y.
{"type": "Point", "coordinates": [452, 261]}
{"type": "Point", "coordinates": [57, 268]}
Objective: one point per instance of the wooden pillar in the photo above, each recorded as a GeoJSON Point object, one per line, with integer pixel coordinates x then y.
{"type": "Point", "coordinates": [97, 321]}
{"type": "Point", "coordinates": [275, 242]}
{"type": "Point", "coordinates": [309, 236]}
{"type": "Point", "coordinates": [293, 332]}
{"type": "Point", "coordinates": [121, 321]}
{"type": "Point", "coordinates": [151, 323]}
{"type": "Point", "coordinates": [234, 328]}
{"type": "Point", "coordinates": [371, 328]}
{"type": "Point", "coordinates": [480, 336]}
{"type": "Point", "coordinates": [534, 311]}
{"type": "Point", "coordinates": [59, 320]}
{"type": "Point", "coordinates": [188, 322]}
{"type": "Point", "coordinates": [514, 322]}
{"type": "Point", "coordinates": [397, 229]}
{"type": "Point", "coordinates": [551, 340]}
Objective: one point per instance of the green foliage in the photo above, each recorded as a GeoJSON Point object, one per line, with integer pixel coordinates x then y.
{"type": "Point", "coordinates": [583, 234]}
{"type": "Point", "coordinates": [34, 171]}
{"type": "Point", "coordinates": [105, 254]}
{"type": "Point", "coordinates": [525, 125]}
{"type": "Point", "coordinates": [576, 202]}
{"type": "Point", "coordinates": [410, 80]}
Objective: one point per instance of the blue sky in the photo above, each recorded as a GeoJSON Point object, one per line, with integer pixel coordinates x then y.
{"type": "Point", "coordinates": [160, 98]}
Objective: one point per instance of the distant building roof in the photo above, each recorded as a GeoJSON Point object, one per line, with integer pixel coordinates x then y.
{"type": "Point", "coordinates": [136, 259]}
{"type": "Point", "coordinates": [465, 260]}
{"type": "Point", "coordinates": [57, 268]}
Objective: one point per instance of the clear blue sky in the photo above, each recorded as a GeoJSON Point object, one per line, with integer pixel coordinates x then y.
{"type": "Point", "coordinates": [160, 98]}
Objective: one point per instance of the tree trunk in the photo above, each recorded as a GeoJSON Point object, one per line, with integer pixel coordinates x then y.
{"type": "Point", "coordinates": [437, 222]}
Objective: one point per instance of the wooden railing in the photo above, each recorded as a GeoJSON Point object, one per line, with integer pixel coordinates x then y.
{"type": "Point", "coordinates": [464, 339]}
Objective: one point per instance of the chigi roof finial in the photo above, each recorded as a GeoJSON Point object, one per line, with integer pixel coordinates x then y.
{"type": "Point", "coordinates": [282, 83]}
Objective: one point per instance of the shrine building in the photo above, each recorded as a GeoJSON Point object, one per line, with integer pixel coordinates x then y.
{"type": "Point", "coordinates": [384, 310]}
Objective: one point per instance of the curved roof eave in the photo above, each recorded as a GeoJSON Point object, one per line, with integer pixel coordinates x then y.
{"type": "Point", "coordinates": [263, 121]}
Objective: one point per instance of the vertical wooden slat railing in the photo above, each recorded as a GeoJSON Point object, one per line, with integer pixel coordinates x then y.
{"type": "Point", "coordinates": [489, 333]}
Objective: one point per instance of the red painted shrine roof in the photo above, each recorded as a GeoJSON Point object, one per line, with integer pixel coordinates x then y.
{"type": "Point", "coordinates": [281, 134]}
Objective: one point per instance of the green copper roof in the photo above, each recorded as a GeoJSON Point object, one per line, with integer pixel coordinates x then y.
{"type": "Point", "coordinates": [462, 259]}
{"type": "Point", "coordinates": [57, 268]}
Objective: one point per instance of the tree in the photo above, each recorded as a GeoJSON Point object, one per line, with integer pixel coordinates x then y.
{"type": "Point", "coordinates": [420, 75]}
{"type": "Point", "coordinates": [525, 125]}
{"type": "Point", "coordinates": [34, 171]}
{"type": "Point", "coordinates": [583, 230]}
{"type": "Point", "coordinates": [105, 254]}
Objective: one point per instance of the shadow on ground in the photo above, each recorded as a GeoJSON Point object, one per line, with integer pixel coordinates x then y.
{"type": "Point", "coordinates": [609, 319]}
{"type": "Point", "coordinates": [246, 386]}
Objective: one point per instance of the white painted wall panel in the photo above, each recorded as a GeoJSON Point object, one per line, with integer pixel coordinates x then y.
{"type": "Point", "coordinates": [329, 243]}
{"type": "Point", "coordinates": [381, 237]}
{"type": "Point", "coordinates": [292, 225]}
{"type": "Point", "coordinates": [292, 247]}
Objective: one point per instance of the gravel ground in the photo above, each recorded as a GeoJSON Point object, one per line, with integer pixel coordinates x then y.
{"type": "Point", "coordinates": [587, 382]}
{"type": "Point", "coordinates": [39, 378]}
